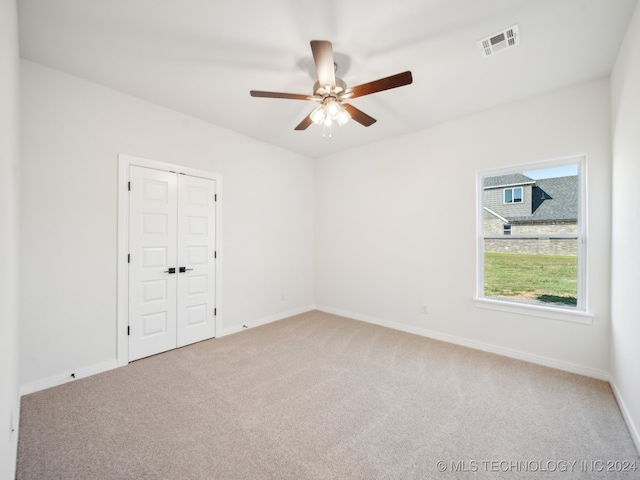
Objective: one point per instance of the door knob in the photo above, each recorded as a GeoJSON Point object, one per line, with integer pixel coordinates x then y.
{"type": "Point", "coordinates": [184, 269]}
{"type": "Point", "coordinates": [171, 270]}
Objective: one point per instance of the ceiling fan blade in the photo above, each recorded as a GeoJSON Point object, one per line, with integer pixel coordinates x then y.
{"type": "Point", "coordinates": [387, 83]}
{"type": "Point", "coordinates": [323, 56]}
{"type": "Point", "coordinates": [292, 96]}
{"type": "Point", "coordinates": [304, 123]}
{"type": "Point", "coordinates": [359, 116]}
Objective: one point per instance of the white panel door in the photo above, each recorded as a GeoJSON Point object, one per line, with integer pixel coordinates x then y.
{"type": "Point", "coordinates": [152, 247]}
{"type": "Point", "coordinates": [196, 259]}
{"type": "Point", "coordinates": [172, 244]}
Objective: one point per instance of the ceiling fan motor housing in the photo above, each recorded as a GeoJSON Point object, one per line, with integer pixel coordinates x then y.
{"type": "Point", "coordinates": [339, 87]}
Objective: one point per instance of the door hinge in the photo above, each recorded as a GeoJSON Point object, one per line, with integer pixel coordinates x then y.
{"type": "Point", "coordinates": [215, 197]}
{"type": "Point", "coordinates": [215, 254]}
{"type": "Point", "coordinates": [128, 258]}
{"type": "Point", "coordinates": [129, 186]}
{"type": "Point", "coordinates": [215, 312]}
{"type": "Point", "coordinates": [128, 330]}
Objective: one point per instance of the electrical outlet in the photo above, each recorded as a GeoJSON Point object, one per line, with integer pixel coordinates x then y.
{"type": "Point", "coordinates": [425, 310]}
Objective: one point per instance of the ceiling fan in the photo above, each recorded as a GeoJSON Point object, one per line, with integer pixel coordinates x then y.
{"type": "Point", "coordinates": [331, 92]}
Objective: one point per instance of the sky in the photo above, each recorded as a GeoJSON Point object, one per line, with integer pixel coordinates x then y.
{"type": "Point", "coordinates": [552, 172]}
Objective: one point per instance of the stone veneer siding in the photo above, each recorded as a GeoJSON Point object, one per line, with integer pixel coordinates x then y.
{"type": "Point", "coordinates": [537, 246]}
{"type": "Point", "coordinates": [533, 246]}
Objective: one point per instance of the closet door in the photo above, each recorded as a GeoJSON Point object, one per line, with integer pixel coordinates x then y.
{"type": "Point", "coordinates": [196, 259]}
{"type": "Point", "coordinates": [172, 244]}
{"type": "Point", "coordinates": [153, 252]}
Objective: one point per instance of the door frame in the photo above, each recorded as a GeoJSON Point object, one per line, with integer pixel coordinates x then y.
{"type": "Point", "coordinates": [122, 322]}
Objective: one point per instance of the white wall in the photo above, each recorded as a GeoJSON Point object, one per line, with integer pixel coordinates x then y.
{"type": "Point", "coordinates": [625, 265]}
{"type": "Point", "coordinates": [395, 226]}
{"type": "Point", "coordinates": [9, 397]}
{"type": "Point", "coordinates": [72, 133]}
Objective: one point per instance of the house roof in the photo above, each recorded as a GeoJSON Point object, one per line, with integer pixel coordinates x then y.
{"type": "Point", "coordinates": [507, 180]}
{"type": "Point", "coordinates": [553, 199]}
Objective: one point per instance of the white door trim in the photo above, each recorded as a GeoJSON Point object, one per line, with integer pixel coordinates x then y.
{"type": "Point", "coordinates": [124, 161]}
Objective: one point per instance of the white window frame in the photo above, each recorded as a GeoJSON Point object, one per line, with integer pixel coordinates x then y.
{"type": "Point", "coordinates": [504, 195]}
{"type": "Point", "coordinates": [579, 313]}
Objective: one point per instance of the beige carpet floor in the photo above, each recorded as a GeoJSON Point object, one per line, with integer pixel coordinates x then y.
{"type": "Point", "coordinates": [318, 396]}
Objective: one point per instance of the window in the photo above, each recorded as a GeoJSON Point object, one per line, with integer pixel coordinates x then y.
{"type": "Point", "coordinates": [513, 195]}
{"type": "Point", "coordinates": [541, 262]}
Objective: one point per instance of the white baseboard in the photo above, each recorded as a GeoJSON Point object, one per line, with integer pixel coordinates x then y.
{"type": "Point", "coordinates": [265, 320]}
{"type": "Point", "coordinates": [633, 429]}
{"type": "Point", "coordinates": [61, 379]}
{"type": "Point", "coordinates": [485, 347]}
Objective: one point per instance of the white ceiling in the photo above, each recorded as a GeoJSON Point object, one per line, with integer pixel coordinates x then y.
{"type": "Point", "coordinates": [201, 57]}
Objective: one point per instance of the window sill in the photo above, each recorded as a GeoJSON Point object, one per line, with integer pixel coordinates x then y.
{"type": "Point", "coordinates": [555, 313]}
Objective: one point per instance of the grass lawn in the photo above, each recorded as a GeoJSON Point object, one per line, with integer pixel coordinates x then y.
{"type": "Point", "coordinates": [547, 278]}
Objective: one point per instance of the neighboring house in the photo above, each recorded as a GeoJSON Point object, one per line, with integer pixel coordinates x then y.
{"type": "Point", "coordinates": [516, 204]}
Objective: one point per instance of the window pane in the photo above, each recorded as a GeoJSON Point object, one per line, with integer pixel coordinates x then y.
{"type": "Point", "coordinates": [517, 194]}
{"type": "Point", "coordinates": [539, 270]}
{"type": "Point", "coordinates": [549, 278]}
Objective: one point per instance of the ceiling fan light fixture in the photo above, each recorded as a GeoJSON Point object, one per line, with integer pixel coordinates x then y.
{"type": "Point", "coordinates": [330, 111]}
{"type": "Point", "coordinates": [343, 117]}
{"type": "Point", "coordinates": [333, 108]}
{"type": "Point", "coordinates": [319, 115]}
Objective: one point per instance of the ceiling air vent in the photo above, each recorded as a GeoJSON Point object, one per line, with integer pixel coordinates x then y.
{"type": "Point", "coordinates": [500, 41]}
